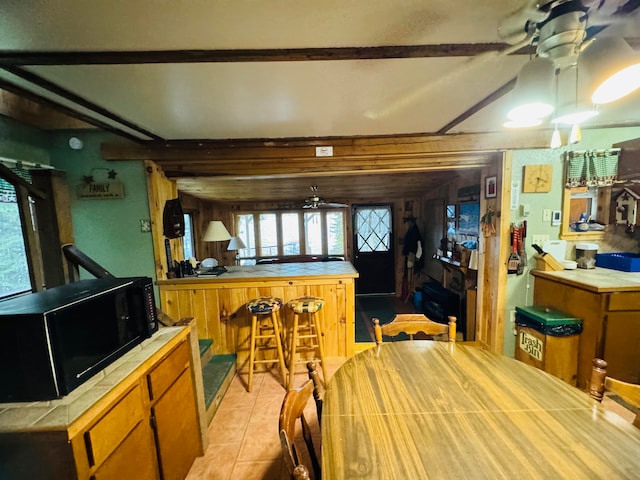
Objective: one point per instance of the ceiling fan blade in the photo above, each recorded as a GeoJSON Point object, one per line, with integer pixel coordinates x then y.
{"type": "Point", "coordinates": [334, 205]}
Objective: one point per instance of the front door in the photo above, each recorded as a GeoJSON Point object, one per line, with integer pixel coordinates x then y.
{"type": "Point", "coordinates": [373, 249]}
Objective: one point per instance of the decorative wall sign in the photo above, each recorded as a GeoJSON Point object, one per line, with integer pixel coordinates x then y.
{"type": "Point", "coordinates": [101, 190]}
{"type": "Point", "coordinates": [109, 188]}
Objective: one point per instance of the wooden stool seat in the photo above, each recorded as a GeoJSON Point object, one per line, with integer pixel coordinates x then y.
{"type": "Point", "coordinates": [266, 333]}
{"type": "Point", "coordinates": [305, 336]}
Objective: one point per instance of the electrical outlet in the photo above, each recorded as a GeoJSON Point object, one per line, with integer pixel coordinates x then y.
{"type": "Point", "coordinates": [539, 239]}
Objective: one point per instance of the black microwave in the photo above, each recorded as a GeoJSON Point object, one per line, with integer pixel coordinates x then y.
{"type": "Point", "coordinates": [53, 341]}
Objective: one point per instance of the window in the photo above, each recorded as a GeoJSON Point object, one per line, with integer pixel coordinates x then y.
{"type": "Point", "coordinates": [280, 234]}
{"type": "Point", "coordinates": [14, 264]}
{"type": "Point", "coordinates": [188, 245]}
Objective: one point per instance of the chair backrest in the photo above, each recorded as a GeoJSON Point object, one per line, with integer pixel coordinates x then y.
{"type": "Point", "coordinates": [292, 411]}
{"type": "Point", "coordinates": [413, 323]}
{"type": "Point", "coordinates": [318, 388]}
{"type": "Point", "coordinates": [601, 383]}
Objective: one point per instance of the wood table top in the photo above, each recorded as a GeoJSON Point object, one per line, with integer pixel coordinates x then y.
{"type": "Point", "coordinates": [424, 409]}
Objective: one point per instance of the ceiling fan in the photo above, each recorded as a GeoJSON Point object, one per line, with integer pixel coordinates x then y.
{"type": "Point", "coordinates": [559, 29]}
{"type": "Point", "coordinates": [315, 201]}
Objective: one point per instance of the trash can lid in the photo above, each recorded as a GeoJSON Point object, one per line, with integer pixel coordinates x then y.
{"type": "Point", "coordinates": [547, 315]}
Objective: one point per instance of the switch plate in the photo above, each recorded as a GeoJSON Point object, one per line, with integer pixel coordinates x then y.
{"type": "Point", "coordinates": [539, 239]}
{"type": "Point", "coordinates": [145, 225]}
{"type": "Point", "coordinates": [546, 215]}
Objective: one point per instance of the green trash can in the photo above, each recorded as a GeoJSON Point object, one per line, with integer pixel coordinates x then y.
{"type": "Point", "coordinates": [548, 339]}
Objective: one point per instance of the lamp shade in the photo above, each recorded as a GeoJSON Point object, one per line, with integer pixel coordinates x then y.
{"type": "Point", "coordinates": [216, 232]}
{"type": "Point", "coordinates": [236, 243]}
{"type": "Point", "coordinates": [613, 67]}
{"type": "Point", "coordinates": [534, 90]}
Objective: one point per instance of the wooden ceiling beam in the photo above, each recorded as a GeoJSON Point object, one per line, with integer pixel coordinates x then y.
{"type": "Point", "coordinates": [23, 58]}
{"type": "Point", "coordinates": [346, 148]}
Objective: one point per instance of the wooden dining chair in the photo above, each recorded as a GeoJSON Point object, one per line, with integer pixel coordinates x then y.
{"type": "Point", "coordinates": [601, 383]}
{"type": "Point", "coordinates": [292, 413]}
{"type": "Point", "coordinates": [413, 323]}
{"type": "Point", "coordinates": [318, 388]}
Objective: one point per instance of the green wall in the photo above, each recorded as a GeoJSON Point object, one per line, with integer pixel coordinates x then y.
{"type": "Point", "coordinates": [107, 230]}
{"type": "Point", "coordinates": [19, 142]}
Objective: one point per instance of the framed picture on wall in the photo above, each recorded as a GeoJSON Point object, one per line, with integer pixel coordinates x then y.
{"type": "Point", "coordinates": [491, 187]}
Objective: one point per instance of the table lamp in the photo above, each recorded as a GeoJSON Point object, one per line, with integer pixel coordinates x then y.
{"type": "Point", "coordinates": [216, 232]}
{"type": "Point", "coordinates": [236, 244]}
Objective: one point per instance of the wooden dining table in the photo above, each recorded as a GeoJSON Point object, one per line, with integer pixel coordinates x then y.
{"type": "Point", "coordinates": [439, 410]}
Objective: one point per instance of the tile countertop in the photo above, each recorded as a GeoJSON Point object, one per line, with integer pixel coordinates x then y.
{"type": "Point", "coordinates": [599, 280]}
{"type": "Point", "coordinates": [60, 413]}
{"type": "Point", "coordinates": [273, 271]}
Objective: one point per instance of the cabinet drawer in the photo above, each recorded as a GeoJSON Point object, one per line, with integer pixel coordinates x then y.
{"type": "Point", "coordinates": [624, 301]}
{"type": "Point", "coordinates": [113, 427]}
{"type": "Point", "coordinates": [165, 373]}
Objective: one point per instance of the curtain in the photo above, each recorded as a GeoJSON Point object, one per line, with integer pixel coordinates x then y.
{"type": "Point", "coordinates": [7, 191]}
{"type": "Point", "coordinates": [592, 168]}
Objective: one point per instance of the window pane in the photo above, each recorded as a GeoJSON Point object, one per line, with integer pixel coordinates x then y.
{"type": "Point", "coordinates": [335, 233]}
{"type": "Point", "coordinates": [189, 250]}
{"type": "Point", "coordinates": [290, 234]}
{"type": "Point", "coordinates": [313, 233]}
{"type": "Point", "coordinates": [268, 235]}
{"type": "Point", "coordinates": [245, 230]}
{"type": "Point", "coordinates": [373, 227]}
{"type": "Point", "coordinates": [14, 269]}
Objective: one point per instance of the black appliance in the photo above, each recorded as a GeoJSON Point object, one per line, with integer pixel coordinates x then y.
{"type": "Point", "coordinates": [438, 303]}
{"type": "Point", "coordinates": [53, 341]}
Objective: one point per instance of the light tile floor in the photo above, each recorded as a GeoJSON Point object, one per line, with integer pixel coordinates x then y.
{"type": "Point", "coordinates": [243, 435]}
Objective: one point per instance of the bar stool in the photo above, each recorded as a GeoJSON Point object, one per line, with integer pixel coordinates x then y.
{"type": "Point", "coordinates": [265, 328]}
{"type": "Point", "coordinates": [306, 335]}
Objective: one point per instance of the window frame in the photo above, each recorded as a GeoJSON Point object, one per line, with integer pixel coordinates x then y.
{"type": "Point", "coordinates": [302, 240]}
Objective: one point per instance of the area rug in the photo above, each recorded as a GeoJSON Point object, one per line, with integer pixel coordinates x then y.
{"type": "Point", "coordinates": [382, 307]}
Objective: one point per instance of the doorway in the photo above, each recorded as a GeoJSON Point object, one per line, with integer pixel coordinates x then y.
{"type": "Point", "coordinates": [373, 255]}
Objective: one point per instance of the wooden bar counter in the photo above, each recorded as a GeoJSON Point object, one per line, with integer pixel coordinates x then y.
{"type": "Point", "coordinates": [608, 302]}
{"type": "Point", "coordinates": [218, 303]}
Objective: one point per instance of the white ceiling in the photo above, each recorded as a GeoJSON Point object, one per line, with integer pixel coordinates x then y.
{"type": "Point", "coordinates": [273, 99]}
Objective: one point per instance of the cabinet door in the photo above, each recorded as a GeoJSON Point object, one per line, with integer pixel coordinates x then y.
{"type": "Point", "coordinates": [134, 458]}
{"type": "Point", "coordinates": [176, 425]}
{"type": "Point", "coordinates": [622, 337]}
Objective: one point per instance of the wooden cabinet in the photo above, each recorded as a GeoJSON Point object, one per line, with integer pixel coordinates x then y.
{"type": "Point", "coordinates": [139, 420]}
{"type": "Point", "coordinates": [611, 321]}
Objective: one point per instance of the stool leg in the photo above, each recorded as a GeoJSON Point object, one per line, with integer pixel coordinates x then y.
{"type": "Point", "coordinates": [276, 331]}
{"type": "Point", "coordinates": [252, 351]}
{"type": "Point", "coordinates": [320, 334]}
{"type": "Point", "coordinates": [292, 349]}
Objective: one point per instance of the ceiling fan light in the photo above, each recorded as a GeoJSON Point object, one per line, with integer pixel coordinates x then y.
{"type": "Point", "coordinates": [614, 68]}
{"type": "Point", "coordinates": [618, 85]}
{"type": "Point", "coordinates": [534, 90]}
{"type": "Point", "coordinates": [556, 140]}
{"type": "Point", "coordinates": [576, 134]}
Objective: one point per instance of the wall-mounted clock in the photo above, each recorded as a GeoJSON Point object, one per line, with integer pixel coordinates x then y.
{"type": "Point", "coordinates": [537, 178]}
